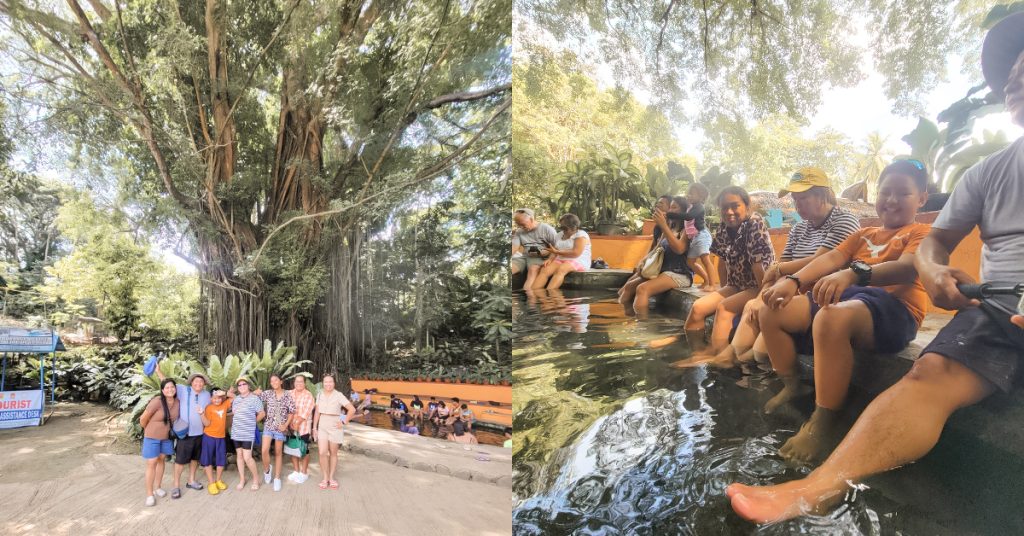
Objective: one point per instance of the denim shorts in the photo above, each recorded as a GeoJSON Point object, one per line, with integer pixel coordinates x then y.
{"type": "Point", "coordinates": [151, 448]}
{"type": "Point", "coordinates": [700, 245]}
{"type": "Point", "coordinates": [275, 435]}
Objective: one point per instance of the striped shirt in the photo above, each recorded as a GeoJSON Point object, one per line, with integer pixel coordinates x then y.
{"type": "Point", "coordinates": [805, 239]}
{"type": "Point", "coordinates": [244, 409]}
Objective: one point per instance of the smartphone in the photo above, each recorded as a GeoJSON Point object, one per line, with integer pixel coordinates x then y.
{"type": "Point", "coordinates": [1020, 305]}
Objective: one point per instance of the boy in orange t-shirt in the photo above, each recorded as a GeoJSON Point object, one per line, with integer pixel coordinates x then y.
{"type": "Point", "coordinates": [214, 451]}
{"type": "Point", "coordinates": [865, 293]}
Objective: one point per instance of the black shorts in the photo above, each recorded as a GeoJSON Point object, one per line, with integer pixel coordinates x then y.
{"type": "Point", "coordinates": [983, 340]}
{"type": "Point", "coordinates": [246, 445]}
{"type": "Point", "coordinates": [188, 449]}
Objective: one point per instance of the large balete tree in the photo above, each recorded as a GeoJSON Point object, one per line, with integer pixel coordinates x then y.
{"type": "Point", "coordinates": [274, 129]}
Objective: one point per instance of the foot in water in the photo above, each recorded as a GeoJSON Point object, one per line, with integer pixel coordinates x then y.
{"type": "Point", "coordinates": [771, 504]}
{"type": "Point", "coordinates": [665, 341]}
{"type": "Point", "coordinates": [725, 359]}
{"type": "Point", "coordinates": [792, 389]}
{"type": "Point", "coordinates": [816, 438]}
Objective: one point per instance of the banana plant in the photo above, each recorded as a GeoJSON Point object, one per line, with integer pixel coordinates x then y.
{"type": "Point", "coordinates": [280, 361]}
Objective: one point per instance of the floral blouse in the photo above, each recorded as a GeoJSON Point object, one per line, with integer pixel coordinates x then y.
{"type": "Point", "coordinates": [739, 251]}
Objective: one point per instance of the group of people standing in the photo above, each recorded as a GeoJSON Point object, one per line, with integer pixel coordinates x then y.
{"type": "Point", "coordinates": [190, 422]}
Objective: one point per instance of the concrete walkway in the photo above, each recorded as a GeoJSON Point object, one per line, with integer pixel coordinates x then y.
{"type": "Point", "coordinates": [73, 476]}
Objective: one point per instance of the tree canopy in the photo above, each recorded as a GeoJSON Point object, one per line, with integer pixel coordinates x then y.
{"type": "Point", "coordinates": [275, 135]}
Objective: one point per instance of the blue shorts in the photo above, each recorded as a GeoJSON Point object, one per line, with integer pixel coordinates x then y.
{"type": "Point", "coordinates": [214, 452]}
{"type": "Point", "coordinates": [700, 244]}
{"type": "Point", "coordinates": [151, 448]}
{"type": "Point", "coordinates": [275, 435]}
{"type": "Point", "coordinates": [894, 326]}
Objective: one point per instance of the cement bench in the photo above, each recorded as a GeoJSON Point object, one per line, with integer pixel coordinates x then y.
{"type": "Point", "coordinates": [585, 280]}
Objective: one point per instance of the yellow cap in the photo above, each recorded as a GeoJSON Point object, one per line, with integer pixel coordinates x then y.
{"type": "Point", "coordinates": [804, 179]}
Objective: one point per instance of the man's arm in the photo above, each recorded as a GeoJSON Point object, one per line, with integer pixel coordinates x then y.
{"type": "Point", "coordinates": [940, 279]}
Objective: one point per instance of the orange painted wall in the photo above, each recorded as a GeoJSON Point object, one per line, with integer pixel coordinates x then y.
{"type": "Point", "coordinates": [477, 397]}
{"type": "Point", "coordinates": [620, 252]}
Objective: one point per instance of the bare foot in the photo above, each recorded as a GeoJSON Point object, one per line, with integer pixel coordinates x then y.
{"type": "Point", "coordinates": [770, 504]}
{"type": "Point", "coordinates": [240, 486]}
{"type": "Point", "coordinates": [724, 360]}
{"type": "Point", "coordinates": [792, 389]}
{"type": "Point", "coordinates": [664, 341]}
{"type": "Point", "coordinates": [746, 357]}
{"type": "Point", "coordinates": [816, 438]}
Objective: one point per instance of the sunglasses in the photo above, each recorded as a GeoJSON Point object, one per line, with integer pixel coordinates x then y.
{"type": "Point", "coordinates": [912, 161]}
{"type": "Point", "coordinates": [243, 383]}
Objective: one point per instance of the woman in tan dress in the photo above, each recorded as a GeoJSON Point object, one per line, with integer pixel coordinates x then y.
{"type": "Point", "coordinates": [328, 428]}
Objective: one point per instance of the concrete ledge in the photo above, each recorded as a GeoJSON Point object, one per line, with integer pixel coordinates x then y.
{"type": "Point", "coordinates": [586, 280]}
{"type": "Point", "coordinates": [482, 463]}
{"type": "Point", "coordinates": [991, 426]}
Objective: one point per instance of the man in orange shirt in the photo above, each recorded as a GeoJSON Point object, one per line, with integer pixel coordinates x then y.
{"type": "Point", "coordinates": [866, 294]}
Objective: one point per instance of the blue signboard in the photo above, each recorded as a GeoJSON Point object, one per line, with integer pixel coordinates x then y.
{"type": "Point", "coordinates": [34, 341]}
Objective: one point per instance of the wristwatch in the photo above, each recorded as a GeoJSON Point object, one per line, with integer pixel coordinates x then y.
{"type": "Point", "coordinates": [863, 271]}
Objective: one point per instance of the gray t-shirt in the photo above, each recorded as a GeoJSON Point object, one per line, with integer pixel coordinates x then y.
{"type": "Point", "coordinates": [536, 237]}
{"type": "Point", "coordinates": [991, 195]}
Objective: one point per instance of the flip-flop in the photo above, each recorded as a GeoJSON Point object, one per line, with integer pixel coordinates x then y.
{"type": "Point", "coordinates": [323, 485]}
{"type": "Point", "coordinates": [255, 486]}
{"type": "Point", "coordinates": [334, 484]}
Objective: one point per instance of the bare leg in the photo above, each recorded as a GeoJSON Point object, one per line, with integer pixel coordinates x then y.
{"type": "Point", "coordinates": [209, 474]}
{"type": "Point", "coordinates": [193, 467]}
{"type": "Point", "coordinates": [531, 275]}
{"type": "Point", "coordinates": [178, 469]}
{"type": "Point", "coordinates": [334, 458]}
{"type": "Point", "coordinates": [898, 427]}
{"type": "Point", "coordinates": [836, 329]}
{"type": "Point", "coordinates": [698, 268]}
{"type": "Point", "coordinates": [278, 457]}
{"type": "Point", "coordinates": [628, 292]}
{"type": "Point", "coordinates": [265, 454]}
{"type": "Point", "coordinates": [304, 465]}
{"type": "Point", "coordinates": [648, 289]}
{"type": "Point", "coordinates": [151, 480]}
{"type": "Point", "coordinates": [323, 451]}
{"type": "Point", "coordinates": [709, 267]}
{"type": "Point", "coordinates": [725, 313]}
{"type": "Point", "coordinates": [776, 326]}
{"type": "Point", "coordinates": [220, 473]}
{"type": "Point", "coordinates": [158, 476]}
{"type": "Point", "coordinates": [559, 275]}
{"type": "Point", "coordinates": [545, 273]}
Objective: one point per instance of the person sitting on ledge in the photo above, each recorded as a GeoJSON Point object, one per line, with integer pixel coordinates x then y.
{"type": "Point", "coordinates": [636, 294]}
{"type": "Point", "coordinates": [529, 245]}
{"type": "Point", "coordinates": [823, 226]}
{"type": "Point", "coordinates": [570, 253]}
{"type": "Point", "coordinates": [866, 295]}
{"type": "Point", "coordinates": [744, 252]}
{"type": "Point", "coordinates": [976, 353]}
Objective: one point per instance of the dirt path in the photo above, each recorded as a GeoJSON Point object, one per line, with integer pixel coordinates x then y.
{"type": "Point", "coordinates": [78, 474]}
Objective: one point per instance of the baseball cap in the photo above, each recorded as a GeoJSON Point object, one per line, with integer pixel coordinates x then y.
{"type": "Point", "coordinates": [804, 179]}
{"type": "Point", "coordinates": [1003, 45]}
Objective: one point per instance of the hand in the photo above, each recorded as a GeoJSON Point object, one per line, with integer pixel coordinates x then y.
{"type": "Point", "coordinates": [779, 295]}
{"type": "Point", "coordinates": [771, 275]}
{"type": "Point", "coordinates": [199, 410]}
{"type": "Point", "coordinates": [338, 424]}
{"type": "Point", "coordinates": [257, 392]}
{"type": "Point", "coordinates": [940, 282]}
{"type": "Point", "coordinates": [231, 390]}
{"type": "Point", "coordinates": [659, 217]}
{"type": "Point", "coordinates": [1018, 320]}
{"type": "Point", "coordinates": [829, 289]}
{"type": "Point", "coordinates": [283, 427]}
{"type": "Point", "coordinates": [314, 434]}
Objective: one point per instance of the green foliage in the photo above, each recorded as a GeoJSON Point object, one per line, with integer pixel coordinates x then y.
{"type": "Point", "coordinates": [950, 151]}
{"type": "Point", "coordinates": [598, 187]}
{"type": "Point", "coordinates": [280, 361]}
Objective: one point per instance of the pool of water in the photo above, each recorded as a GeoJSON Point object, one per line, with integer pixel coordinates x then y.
{"type": "Point", "coordinates": [379, 420]}
{"type": "Point", "coordinates": [610, 440]}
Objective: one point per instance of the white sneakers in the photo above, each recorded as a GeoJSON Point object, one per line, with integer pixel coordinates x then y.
{"type": "Point", "coordinates": [151, 501]}
{"type": "Point", "coordinates": [298, 477]}
{"type": "Point", "coordinates": [277, 484]}
{"type": "Point", "coordinates": [266, 476]}
{"type": "Point", "coordinates": [291, 476]}
{"type": "Point", "coordinates": [160, 492]}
